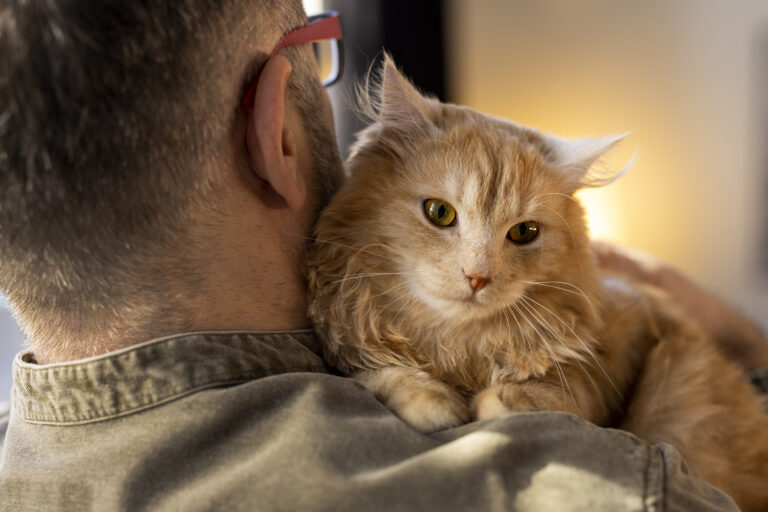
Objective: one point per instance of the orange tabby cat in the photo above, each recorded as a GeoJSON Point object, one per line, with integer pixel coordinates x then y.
{"type": "Point", "coordinates": [453, 276]}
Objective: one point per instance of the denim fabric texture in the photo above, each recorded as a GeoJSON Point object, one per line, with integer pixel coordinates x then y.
{"type": "Point", "coordinates": [256, 421]}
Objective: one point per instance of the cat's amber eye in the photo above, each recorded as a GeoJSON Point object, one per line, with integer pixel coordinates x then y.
{"type": "Point", "coordinates": [439, 212]}
{"type": "Point", "coordinates": [524, 233]}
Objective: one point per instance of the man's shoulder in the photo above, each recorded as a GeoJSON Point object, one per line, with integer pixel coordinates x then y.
{"type": "Point", "coordinates": [287, 439]}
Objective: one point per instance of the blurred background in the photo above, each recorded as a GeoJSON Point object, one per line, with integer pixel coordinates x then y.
{"type": "Point", "coordinates": [689, 78]}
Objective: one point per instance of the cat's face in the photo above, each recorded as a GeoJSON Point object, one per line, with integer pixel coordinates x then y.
{"type": "Point", "coordinates": [469, 211]}
{"type": "Point", "coordinates": [471, 232]}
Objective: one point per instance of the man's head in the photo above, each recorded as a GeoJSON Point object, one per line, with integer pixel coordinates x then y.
{"type": "Point", "coordinates": [123, 178]}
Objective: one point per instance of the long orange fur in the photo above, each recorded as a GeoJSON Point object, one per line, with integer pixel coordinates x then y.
{"type": "Point", "coordinates": [391, 300]}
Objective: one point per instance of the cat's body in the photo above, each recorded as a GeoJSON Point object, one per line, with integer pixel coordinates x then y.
{"type": "Point", "coordinates": [453, 276]}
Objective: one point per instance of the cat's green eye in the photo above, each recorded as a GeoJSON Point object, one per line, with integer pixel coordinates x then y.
{"type": "Point", "coordinates": [439, 212]}
{"type": "Point", "coordinates": [524, 233]}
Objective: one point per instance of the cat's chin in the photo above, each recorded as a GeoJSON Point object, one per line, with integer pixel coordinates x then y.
{"type": "Point", "coordinates": [461, 310]}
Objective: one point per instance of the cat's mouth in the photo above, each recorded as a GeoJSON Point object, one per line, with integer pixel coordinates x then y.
{"type": "Point", "coordinates": [477, 303]}
{"type": "Point", "coordinates": [453, 305]}
{"type": "Point", "coordinates": [456, 305]}
{"type": "Point", "coordinates": [472, 300]}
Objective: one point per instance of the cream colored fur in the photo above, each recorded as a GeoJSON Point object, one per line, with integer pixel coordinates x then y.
{"type": "Point", "coordinates": [392, 302]}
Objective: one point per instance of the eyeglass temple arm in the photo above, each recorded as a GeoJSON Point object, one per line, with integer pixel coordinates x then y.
{"type": "Point", "coordinates": [325, 28]}
{"type": "Point", "coordinates": [328, 27]}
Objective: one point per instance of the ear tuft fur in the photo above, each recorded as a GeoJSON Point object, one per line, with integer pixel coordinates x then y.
{"type": "Point", "coordinates": [581, 159]}
{"type": "Point", "coordinates": [387, 97]}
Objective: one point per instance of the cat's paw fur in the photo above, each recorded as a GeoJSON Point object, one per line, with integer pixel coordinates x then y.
{"type": "Point", "coordinates": [488, 404]}
{"type": "Point", "coordinates": [502, 399]}
{"type": "Point", "coordinates": [429, 410]}
{"type": "Point", "coordinates": [422, 401]}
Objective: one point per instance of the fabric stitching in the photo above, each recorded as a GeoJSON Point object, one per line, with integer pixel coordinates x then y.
{"type": "Point", "coordinates": [37, 388]}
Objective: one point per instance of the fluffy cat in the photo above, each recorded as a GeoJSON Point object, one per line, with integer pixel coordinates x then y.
{"type": "Point", "coordinates": [453, 276]}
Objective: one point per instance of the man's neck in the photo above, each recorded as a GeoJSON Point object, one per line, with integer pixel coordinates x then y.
{"type": "Point", "coordinates": [241, 272]}
{"type": "Point", "coordinates": [278, 304]}
{"type": "Point", "coordinates": [244, 287]}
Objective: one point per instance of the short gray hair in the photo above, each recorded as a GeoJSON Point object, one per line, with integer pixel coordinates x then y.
{"type": "Point", "coordinates": [111, 115]}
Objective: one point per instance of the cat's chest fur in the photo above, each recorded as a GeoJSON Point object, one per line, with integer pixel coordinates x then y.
{"type": "Point", "coordinates": [511, 346]}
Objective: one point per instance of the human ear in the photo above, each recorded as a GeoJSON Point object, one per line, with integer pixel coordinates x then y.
{"type": "Point", "coordinates": [271, 144]}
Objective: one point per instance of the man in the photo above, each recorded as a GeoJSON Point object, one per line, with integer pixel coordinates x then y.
{"type": "Point", "coordinates": [139, 202]}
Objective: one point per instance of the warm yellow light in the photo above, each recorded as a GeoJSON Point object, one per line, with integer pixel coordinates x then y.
{"type": "Point", "coordinates": [313, 6]}
{"type": "Point", "coordinates": [602, 218]}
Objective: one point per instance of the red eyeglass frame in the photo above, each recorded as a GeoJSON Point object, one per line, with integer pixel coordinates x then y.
{"type": "Point", "coordinates": [321, 27]}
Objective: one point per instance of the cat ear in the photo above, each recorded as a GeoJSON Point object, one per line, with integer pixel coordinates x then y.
{"type": "Point", "coordinates": [580, 160]}
{"type": "Point", "coordinates": [402, 109]}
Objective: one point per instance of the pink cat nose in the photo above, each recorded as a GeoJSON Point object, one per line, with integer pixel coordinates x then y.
{"type": "Point", "coordinates": [477, 282]}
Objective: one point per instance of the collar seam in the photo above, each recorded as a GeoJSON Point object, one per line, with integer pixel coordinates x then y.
{"type": "Point", "coordinates": [82, 419]}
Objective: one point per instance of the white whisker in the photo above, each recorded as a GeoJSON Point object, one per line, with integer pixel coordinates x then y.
{"type": "Point", "coordinates": [407, 303]}
{"type": "Point", "coordinates": [560, 194]}
{"type": "Point", "coordinates": [587, 348]}
{"type": "Point", "coordinates": [509, 330]}
{"type": "Point", "coordinates": [570, 232]}
{"type": "Point", "coordinates": [371, 274]}
{"type": "Point", "coordinates": [525, 335]}
{"type": "Point", "coordinates": [558, 336]}
{"type": "Point", "coordinates": [356, 249]}
{"type": "Point", "coordinates": [579, 292]}
{"type": "Point", "coordinates": [391, 288]}
{"type": "Point", "coordinates": [561, 374]}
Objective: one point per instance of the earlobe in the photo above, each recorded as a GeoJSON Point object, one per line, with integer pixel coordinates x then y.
{"type": "Point", "coordinates": [270, 144]}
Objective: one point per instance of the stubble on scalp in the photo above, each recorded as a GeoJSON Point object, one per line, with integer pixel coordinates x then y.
{"type": "Point", "coordinates": [114, 125]}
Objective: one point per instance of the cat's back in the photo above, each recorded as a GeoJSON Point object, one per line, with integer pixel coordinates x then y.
{"type": "Point", "coordinates": [688, 394]}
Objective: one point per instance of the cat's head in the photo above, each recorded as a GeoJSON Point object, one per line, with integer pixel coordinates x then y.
{"type": "Point", "coordinates": [466, 210]}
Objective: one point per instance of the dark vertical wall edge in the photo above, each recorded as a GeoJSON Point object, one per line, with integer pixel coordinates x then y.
{"type": "Point", "coordinates": [760, 100]}
{"type": "Point", "coordinates": [412, 32]}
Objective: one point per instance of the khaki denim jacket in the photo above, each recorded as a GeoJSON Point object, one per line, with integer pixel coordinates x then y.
{"type": "Point", "coordinates": [256, 421]}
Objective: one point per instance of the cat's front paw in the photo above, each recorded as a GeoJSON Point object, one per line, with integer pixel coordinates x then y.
{"type": "Point", "coordinates": [488, 404]}
{"type": "Point", "coordinates": [416, 397]}
{"type": "Point", "coordinates": [430, 410]}
{"type": "Point", "coordinates": [502, 399]}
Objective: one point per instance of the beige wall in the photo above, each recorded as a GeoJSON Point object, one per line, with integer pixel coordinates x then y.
{"type": "Point", "coordinates": [683, 75]}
